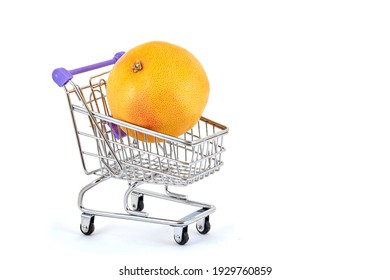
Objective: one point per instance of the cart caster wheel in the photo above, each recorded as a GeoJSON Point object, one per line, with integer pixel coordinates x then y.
{"type": "Point", "coordinates": [87, 225]}
{"type": "Point", "coordinates": [203, 226]}
{"type": "Point", "coordinates": [87, 230]}
{"type": "Point", "coordinates": [137, 202]}
{"type": "Point", "coordinates": [140, 205]}
{"type": "Point", "coordinates": [181, 235]}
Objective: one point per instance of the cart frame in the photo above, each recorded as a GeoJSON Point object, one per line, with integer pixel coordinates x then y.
{"type": "Point", "coordinates": [121, 150]}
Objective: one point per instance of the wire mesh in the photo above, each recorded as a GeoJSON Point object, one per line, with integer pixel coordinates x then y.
{"type": "Point", "coordinates": [129, 152]}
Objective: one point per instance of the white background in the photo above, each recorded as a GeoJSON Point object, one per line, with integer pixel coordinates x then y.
{"type": "Point", "coordinates": [304, 88]}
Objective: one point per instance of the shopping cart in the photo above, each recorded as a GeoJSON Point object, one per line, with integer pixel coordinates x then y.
{"type": "Point", "coordinates": [108, 150]}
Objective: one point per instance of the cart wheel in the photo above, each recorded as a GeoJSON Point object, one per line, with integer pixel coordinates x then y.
{"type": "Point", "coordinates": [140, 205]}
{"type": "Point", "coordinates": [137, 202]}
{"type": "Point", "coordinates": [181, 238]}
{"type": "Point", "coordinates": [87, 230]}
{"type": "Point", "coordinates": [203, 226]}
{"type": "Point", "coordinates": [87, 225]}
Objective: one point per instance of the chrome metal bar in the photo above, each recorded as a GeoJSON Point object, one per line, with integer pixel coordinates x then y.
{"type": "Point", "coordinates": [87, 188]}
{"type": "Point", "coordinates": [91, 115]}
{"type": "Point", "coordinates": [204, 211]}
{"type": "Point", "coordinates": [151, 132]}
{"type": "Point", "coordinates": [175, 195]}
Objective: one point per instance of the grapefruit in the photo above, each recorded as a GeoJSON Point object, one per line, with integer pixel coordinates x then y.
{"type": "Point", "coordinates": [158, 86]}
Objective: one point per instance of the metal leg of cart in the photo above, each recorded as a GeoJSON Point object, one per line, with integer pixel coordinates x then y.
{"type": "Point", "coordinates": [134, 211]}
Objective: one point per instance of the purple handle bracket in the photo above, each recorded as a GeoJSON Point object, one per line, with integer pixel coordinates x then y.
{"type": "Point", "coordinates": [61, 76]}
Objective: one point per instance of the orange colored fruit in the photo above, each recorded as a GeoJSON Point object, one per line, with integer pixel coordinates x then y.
{"type": "Point", "coordinates": [158, 86]}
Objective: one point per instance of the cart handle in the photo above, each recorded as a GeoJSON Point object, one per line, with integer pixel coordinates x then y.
{"type": "Point", "coordinates": [61, 76]}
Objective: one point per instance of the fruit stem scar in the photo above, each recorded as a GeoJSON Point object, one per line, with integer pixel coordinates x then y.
{"type": "Point", "coordinates": [137, 66]}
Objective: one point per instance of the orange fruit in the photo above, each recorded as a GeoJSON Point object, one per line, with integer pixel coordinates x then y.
{"type": "Point", "coordinates": [158, 86]}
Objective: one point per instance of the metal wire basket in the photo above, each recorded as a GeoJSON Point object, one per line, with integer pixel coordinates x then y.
{"type": "Point", "coordinates": [111, 148]}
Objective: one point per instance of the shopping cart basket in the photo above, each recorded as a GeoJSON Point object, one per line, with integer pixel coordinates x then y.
{"type": "Point", "coordinates": [108, 151]}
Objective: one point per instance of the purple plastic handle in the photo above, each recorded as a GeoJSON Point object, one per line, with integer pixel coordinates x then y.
{"type": "Point", "coordinates": [61, 76]}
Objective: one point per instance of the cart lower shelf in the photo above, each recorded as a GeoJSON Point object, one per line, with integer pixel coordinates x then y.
{"type": "Point", "coordinates": [135, 211]}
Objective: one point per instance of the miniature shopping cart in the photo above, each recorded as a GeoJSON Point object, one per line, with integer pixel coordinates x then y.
{"type": "Point", "coordinates": [108, 150]}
